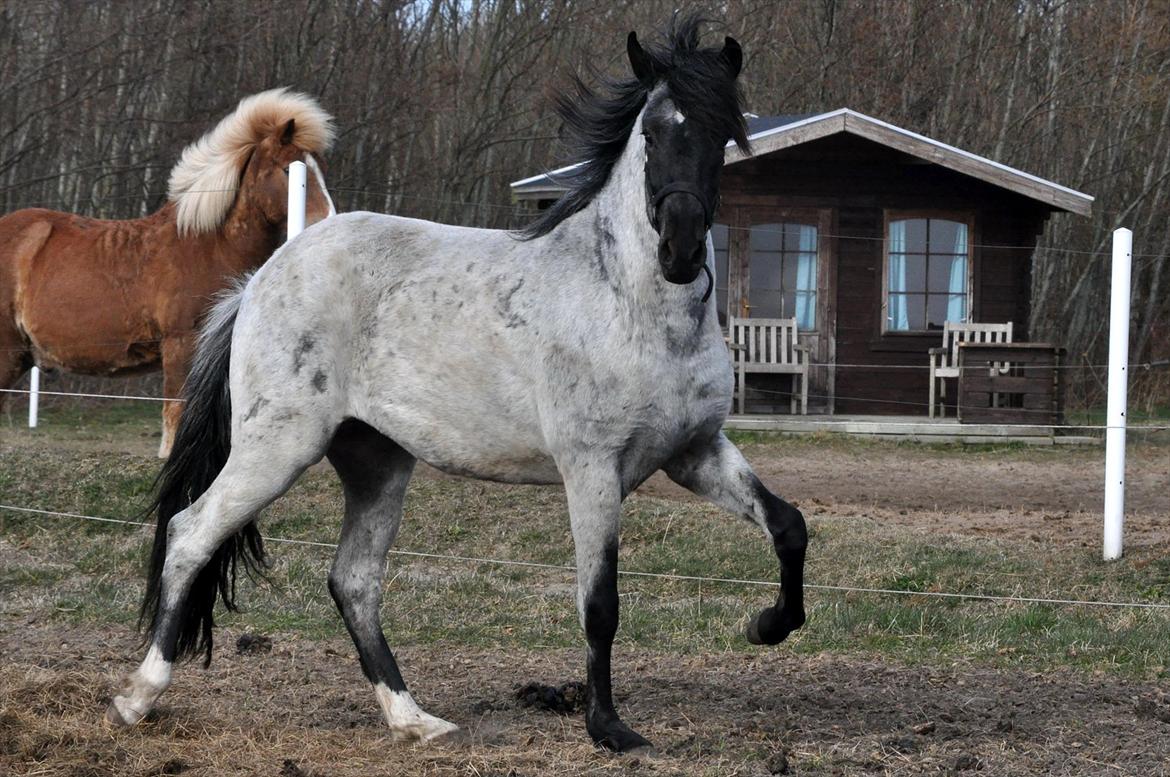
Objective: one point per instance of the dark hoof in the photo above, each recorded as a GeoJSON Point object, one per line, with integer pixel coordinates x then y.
{"type": "Point", "coordinates": [772, 626]}
{"type": "Point", "coordinates": [620, 738]}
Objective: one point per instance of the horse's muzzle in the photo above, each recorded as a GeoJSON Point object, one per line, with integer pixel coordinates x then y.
{"type": "Point", "coordinates": [682, 242]}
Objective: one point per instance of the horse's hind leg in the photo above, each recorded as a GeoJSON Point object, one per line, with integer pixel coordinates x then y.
{"type": "Point", "coordinates": [253, 477]}
{"type": "Point", "coordinates": [15, 359]}
{"type": "Point", "coordinates": [715, 469]}
{"type": "Point", "coordinates": [374, 473]}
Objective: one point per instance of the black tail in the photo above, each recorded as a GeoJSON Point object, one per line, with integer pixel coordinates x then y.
{"type": "Point", "coordinates": [201, 448]}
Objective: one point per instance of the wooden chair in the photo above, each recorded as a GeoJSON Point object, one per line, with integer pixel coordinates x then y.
{"type": "Point", "coordinates": [944, 361]}
{"type": "Point", "coordinates": [769, 345]}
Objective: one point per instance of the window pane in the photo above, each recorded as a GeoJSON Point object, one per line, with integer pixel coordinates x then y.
{"type": "Point", "coordinates": [936, 310]}
{"type": "Point", "coordinates": [948, 274]}
{"type": "Point", "coordinates": [719, 236]}
{"type": "Point", "coordinates": [806, 310]}
{"type": "Point", "coordinates": [788, 276]}
{"type": "Point", "coordinates": [906, 312]}
{"type": "Point", "coordinates": [945, 307]}
{"type": "Point", "coordinates": [765, 304]}
{"type": "Point", "coordinates": [947, 237]}
{"type": "Point", "coordinates": [800, 237]}
{"type": "Point", "coordinates": [911, 233]}
{"type": "Point", "coordinates": [957, 307]}
{"type": "Point", "coordinates": [765, 272]}
{"type": "Point", "coordinates": [767, 237]}
{"type": "Point", "coordinates": [908, 272]}
{"type": "Point", "coordinates": [788, 306]}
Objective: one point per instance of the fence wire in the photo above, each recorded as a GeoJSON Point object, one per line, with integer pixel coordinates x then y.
{"type": "Point", "coordinates": [454, 558]}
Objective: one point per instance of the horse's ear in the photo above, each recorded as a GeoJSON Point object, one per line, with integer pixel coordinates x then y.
{"type": "Point", "coordinates": [289, 132]}
{"type": "Point", "coordinates": [733, 55]}
{"type": "Point", "coordinates": [640, 61]}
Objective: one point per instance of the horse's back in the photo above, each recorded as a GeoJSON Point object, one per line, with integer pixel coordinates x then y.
{"type": "Point", "coordinates": [403, 324]}
{"type": "Point", "coordinates": [53, 264]}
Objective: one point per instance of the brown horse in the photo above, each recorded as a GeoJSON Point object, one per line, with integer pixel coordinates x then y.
{"type": "Point", "coordinates": [119, 297]}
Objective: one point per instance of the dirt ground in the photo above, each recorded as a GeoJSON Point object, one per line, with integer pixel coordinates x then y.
{"type": "Point", "coordinates": [303, 709]}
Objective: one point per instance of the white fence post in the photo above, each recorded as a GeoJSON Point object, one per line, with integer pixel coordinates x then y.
{"type": "Point", "coordinates": [1118, 389]}
{"type": "Point", "coordinates": [297, 175]}
{"type": "Point", "coordinates": [34, 388]}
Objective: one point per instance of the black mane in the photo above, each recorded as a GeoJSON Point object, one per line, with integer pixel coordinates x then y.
{"type": "Point", "coordinates": [597, 123]}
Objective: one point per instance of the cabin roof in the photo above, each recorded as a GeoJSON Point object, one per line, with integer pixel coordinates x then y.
{"type": "Point", "coordinates": [769, 134]}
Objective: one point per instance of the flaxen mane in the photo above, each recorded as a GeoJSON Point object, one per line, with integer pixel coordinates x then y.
{"type": "Point", "coordinates": [203, 184]}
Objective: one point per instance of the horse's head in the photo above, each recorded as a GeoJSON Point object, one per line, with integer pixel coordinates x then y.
{"type": "Point", "coordinates": [264, 184]}
{"type": "Point", "coordinates": [243, 163]}
{"type": "Point", "coordinates": [691, 112]}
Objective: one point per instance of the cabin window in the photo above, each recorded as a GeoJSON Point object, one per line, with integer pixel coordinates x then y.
{"type": "Point", "coordinates": [720, 238]}
{"type": "Point", "coordinates": [783, 272]}
{"type": "Point", "coordinates": [927, 274]}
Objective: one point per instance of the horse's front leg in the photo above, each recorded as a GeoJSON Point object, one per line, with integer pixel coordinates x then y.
{"type": "Point", "coordinates": [594, 495]}
{"type": "Point", "coordinates": [715, 469]}
{"type": "Point", "coordinates": [176, 362]}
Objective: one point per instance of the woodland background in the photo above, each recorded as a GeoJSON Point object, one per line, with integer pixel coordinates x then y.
{"type": "Point", "coordinates": [441, 104]}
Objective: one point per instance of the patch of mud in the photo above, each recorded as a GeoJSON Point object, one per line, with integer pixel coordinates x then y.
{"type": "Point", "coordinates": [305, 709]}
{"type": "Point", "coordinates": [567, 699]}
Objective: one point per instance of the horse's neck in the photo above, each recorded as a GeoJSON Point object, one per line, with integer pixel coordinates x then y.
{"type": "Point", "coordinates": [250, 237]}
{"type": "Point", "coordinates": [625, 241]}
{"type": "Point", "coordinates": [242, 243]}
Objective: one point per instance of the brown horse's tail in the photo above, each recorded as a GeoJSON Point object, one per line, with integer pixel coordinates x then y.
{"type": "Point", "coordinates": [201, 449]}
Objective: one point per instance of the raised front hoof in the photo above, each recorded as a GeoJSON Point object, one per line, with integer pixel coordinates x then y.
{"type": "Point", "coordinates": [772, 626]}
{"type": "Point", "coordinates": [617, 737]}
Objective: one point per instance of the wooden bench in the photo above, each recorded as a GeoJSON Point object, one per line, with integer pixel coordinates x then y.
{"type": "Point", "coordinates": [769, 345]}
{"type": "Point", "coordinates": [944, 361]}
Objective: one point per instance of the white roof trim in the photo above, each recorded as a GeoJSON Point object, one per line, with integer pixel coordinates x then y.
{"type": "Point", "coordinates": [847, 120]}
{"type": "Point", "coordinates": [973, 157]}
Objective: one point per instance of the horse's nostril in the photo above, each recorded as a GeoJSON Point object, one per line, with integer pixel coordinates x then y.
{"type": "Point", "coordinates": [699, 254]}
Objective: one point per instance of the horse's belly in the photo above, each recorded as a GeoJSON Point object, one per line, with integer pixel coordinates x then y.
{"type": "Point", "coordinates": [460, 439]}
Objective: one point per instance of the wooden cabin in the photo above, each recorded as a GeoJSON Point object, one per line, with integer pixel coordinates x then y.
{"type": "Point", "coordinates": [872, 237]}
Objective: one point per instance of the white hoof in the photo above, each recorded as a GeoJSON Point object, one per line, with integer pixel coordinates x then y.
{"type": "Point", "coordinates": [142, 690]}
{"type": "Point", "coordinates": [122, 713]}
{"type": "Point", "coordinates": [407, 721]}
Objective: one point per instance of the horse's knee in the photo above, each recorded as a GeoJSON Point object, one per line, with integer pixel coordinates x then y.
{"type": "Point", "coordinates": [353, 593]}
{"type": "Point", "coordinates": [794, 534]}
{"type": "Point", "coordinates": [785, 523]}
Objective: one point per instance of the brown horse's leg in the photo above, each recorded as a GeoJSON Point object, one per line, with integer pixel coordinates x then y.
{"type": "Point", "coordinates": [15, 358]}
{"type": "Point", "coordinates": [176, 361]}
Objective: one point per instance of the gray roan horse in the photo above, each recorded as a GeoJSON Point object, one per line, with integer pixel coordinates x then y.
{"type": "Point", "coordinates": [585, 352]}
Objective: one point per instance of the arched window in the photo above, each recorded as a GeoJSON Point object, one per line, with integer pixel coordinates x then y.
{"type": "Point", "coordinates": [927, 274]}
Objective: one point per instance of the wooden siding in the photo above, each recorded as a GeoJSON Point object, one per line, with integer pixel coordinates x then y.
{"type": "Point", "coordinates": [857, 182]}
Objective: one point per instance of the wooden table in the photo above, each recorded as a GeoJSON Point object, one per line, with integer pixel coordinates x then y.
{"type": "Point", "coordinates": [1010, 383]}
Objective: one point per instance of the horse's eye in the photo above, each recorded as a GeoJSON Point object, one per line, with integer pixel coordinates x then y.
{"type": "Point", "coordinates": [648, 138]}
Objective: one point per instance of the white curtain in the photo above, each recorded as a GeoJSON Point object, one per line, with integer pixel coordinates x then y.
{"type": "Point", "coordinates": [806, 279]}
{"type": "Point", "coordinates": [957, 302]}
{"type": "Point", "coordinates": [897, 311]}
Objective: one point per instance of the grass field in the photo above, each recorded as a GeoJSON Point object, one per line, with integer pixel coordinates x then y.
{"type": "Point", "coordinates": [62, 575]}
